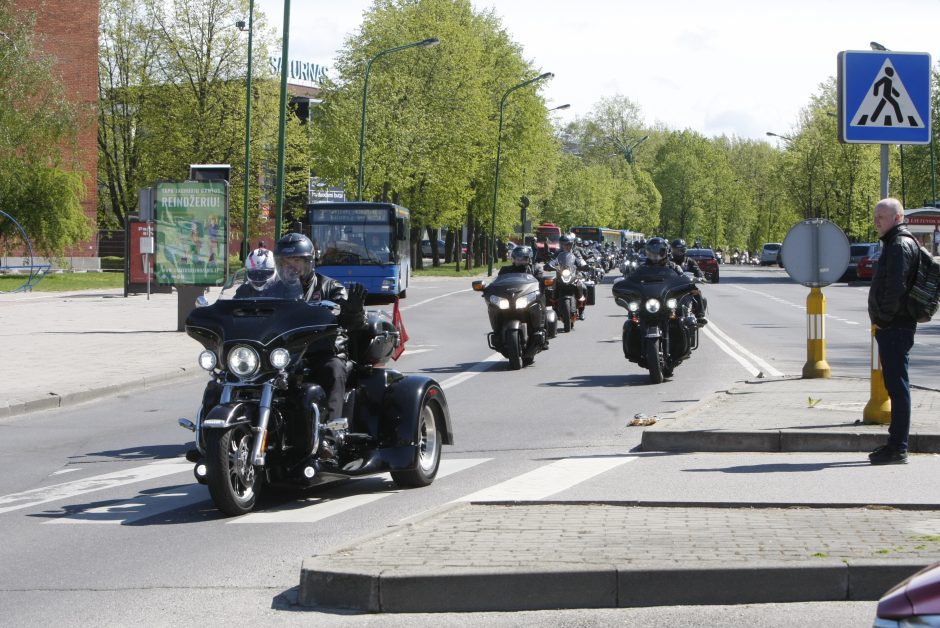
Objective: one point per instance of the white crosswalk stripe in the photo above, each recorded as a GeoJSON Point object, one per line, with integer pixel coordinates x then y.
{"type": "Point", "coordinates": [547, 480]}
{"type": "Point", "coordinates": [540, 483]}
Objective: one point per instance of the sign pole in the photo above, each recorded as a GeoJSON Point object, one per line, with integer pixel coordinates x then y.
{"type": "Point", "coordinates": [816, 365]}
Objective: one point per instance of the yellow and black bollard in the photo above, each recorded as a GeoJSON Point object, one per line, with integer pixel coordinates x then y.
{"type": "Point", "coordinates": [816, 365]}
{"type": "Point", "coordinates": [878, 408]}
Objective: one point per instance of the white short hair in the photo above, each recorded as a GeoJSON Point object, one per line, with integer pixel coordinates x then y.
{"type": "Point", "coordinates": [892, 204]}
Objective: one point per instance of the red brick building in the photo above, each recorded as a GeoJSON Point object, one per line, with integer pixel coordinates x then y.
{"type": "Point", "coordinates": [68, 30]}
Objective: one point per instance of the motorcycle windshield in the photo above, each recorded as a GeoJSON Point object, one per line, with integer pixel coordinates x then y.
{"type": "Point", "coordinates": [650, 282]}
{"type": "Point", "coordinates": [512, 285]}
{"type": "Point", "coordinates": [566, 260]}
{"type": "Point", "coordinates": [244, 313]}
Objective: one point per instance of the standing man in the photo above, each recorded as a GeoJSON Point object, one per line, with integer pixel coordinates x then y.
{"type": "Point", "coordinates": [894, 327]}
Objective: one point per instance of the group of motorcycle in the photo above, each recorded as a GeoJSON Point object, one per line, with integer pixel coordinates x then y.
{"type": "Point", "coordinates": [525, 310]}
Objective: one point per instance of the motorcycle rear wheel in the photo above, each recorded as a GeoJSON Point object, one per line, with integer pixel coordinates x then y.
{"type": "Point", "coordinates": [653, 362]}
{"type": "Point", "coordinates": [430, 442]}
{"type": "Point", "coordinates": [514, 350]}
{"type": "Point", "coordinates": [233, 482]}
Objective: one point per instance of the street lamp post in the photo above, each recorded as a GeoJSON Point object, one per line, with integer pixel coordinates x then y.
{"type": "Point", "coordinates": [251, 23]}
{"type": "Point", "coordinates": [282, 123]}
{"type": "Point", "coordinates": [424, 43]}
{"type": "Point", "coordinates": [559, 107]}
{"type": "Point", "coordinates": [499, 141]}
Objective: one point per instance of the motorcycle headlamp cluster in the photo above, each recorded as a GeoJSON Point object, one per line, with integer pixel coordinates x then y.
{"type": "Point", "coordinates": [243, 361]}
{"type": "Point", "coordinates": [566, 275]}
{"type": "Point", "coordinates": [633, 306]}
{"type": "Point", "coordinates": [499, 302]}
{"type": "Point", "coordinates": [653, 305]}
{"type": "Point", "coordinates": [280, 358]}
{"type": "Point", "coordinates": [523, 302]}
{"type": "Point", "coordinates": [671, 303]}
{"type": "Point", "coordinates": [208, 360]}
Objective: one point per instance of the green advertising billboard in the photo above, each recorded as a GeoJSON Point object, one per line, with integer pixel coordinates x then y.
{"type": "Point", "coordinates": [191, 232]}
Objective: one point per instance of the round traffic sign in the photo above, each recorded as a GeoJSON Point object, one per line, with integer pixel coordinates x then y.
{"type": "Point", "coordinates": [815, 252]}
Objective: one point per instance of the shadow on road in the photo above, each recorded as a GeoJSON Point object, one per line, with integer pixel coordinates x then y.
{"type": "Point", "coordinates": [783, 467]}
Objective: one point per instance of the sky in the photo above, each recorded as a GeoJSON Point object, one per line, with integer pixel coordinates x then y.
{"type": "Point", "coordinates": [733, 67]}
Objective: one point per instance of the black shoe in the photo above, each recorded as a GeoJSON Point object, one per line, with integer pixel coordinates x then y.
{"type": "Point", "coordinates": [888, 455]}
{"type": "Point", "coordinates": [701, 321]}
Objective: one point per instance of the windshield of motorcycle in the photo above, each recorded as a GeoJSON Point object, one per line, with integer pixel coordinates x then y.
{"type": "Point", "coordinates": [512, 284]}
{"type": "Point", "coordinates": [242, 311]}
{"type": "Point", "coordinates": [565, 260]}
{"type": "Point", "coordinates": [652, 281]}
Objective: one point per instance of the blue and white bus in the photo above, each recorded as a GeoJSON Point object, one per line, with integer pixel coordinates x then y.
{"type": "Point", "coordinates": [363, 242]}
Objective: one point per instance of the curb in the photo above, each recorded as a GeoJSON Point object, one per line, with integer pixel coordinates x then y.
{"type": "Point", "coordinates": [324, 585]}
{"type": "Point", "coordinates": [791, 441]}
{"type": "Point", "coordinates": [17, 407]}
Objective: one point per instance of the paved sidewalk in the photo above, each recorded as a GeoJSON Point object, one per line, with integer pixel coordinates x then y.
{"type": "Point", "coordinates": [526, 556]}
{"type": "Point", "coordinates": [791, 414]}
{"type": "Point", "coordinates": [65, 348]}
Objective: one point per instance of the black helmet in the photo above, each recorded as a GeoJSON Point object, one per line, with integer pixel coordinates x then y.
{"type": "Point", "coordinates": [521, 255]}
{"type": "Point", "coordinates": [657, 250]}
{"type": "Point", "coordinates": [294, 246]}
{"type": "Point", "coordinates": [678, 250]}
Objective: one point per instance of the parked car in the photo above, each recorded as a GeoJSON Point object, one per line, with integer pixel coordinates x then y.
{"type": "Point", "coordinates": [913, 602]}
{"type": "Point", "coordinates": [866, 266]}
{"type": "Point", "coordinates": [426, 248]}
{"type": "Point", "coordinates": [706, 260]}
{"type": "Point", "coordinates": [856, 253]}
{"type": "Point", "coordinates": [768, 255]}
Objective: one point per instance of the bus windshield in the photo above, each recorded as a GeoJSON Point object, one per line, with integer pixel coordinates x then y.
{"type": "Point", "coordinates": [341, 245]}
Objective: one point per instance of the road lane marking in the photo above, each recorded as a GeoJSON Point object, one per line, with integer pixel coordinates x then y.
{"type": "Point", "coordinates": [440, 296]}
{"type": "Point", "coordinates": [68, 490]}
{"type": "Point", "coordinates": [484, 365]}
{"type": "Point", "coordinates": [767, 368]}
{"type": "Point", "coordinates": [322, 509]}
{"type": "Point", "coordinates": [547, 480]}
{"type": "Point", "coordinates": [750, 368]}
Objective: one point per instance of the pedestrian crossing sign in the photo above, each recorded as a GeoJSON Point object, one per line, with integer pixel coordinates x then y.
{"type": "Point", "coordinates": [884, 97]}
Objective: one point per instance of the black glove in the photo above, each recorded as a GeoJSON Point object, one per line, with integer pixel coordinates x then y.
{"type": "Point", "coordinates": [355, 299]}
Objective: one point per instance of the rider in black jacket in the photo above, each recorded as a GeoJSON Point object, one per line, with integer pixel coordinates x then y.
{"type": "Point", "coordinates": [294, 258]}
{"type": "Point", "coordinates": [688, 265]}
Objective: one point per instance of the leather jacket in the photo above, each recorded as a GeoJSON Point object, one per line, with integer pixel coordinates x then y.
{"type": "Point", "coordinates": [892, 279]}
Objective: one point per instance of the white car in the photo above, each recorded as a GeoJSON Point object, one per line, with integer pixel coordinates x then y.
{"type": "Point", "coordinates": [768, 255]}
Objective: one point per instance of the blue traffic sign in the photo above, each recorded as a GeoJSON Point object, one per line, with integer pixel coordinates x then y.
{"type": "Point", "coordinates": [884, 97]}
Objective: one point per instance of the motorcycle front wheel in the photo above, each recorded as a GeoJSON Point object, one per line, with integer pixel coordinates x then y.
{"type": "Point", "coordinates": [430, 442]}
{"type": "Point", "coordinates": [565, 315]}
{"type": "Point", "coordinates": [514, 350]}
{"type": "Point", "coordinates": [233, 481]}
{"type": "Point", "coordinates": [653, 362]}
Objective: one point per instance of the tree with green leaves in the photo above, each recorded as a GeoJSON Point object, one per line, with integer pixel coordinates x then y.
{"type": "Point", "coordinates": [41, 184]}
{"type": "Point", "coordinates": [432, 117]}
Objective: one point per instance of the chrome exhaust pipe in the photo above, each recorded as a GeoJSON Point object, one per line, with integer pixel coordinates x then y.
{"type": "Point", "coordinates": [187, 424]}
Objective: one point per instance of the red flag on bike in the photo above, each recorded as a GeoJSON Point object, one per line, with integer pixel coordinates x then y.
{"type": "Point", "coordinates": [402, 334]}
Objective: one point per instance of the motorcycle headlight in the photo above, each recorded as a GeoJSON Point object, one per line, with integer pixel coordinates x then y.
{"type": "Point", "coordinates": [280, 358]}
{"type": "Point", "coordinates": [633, 306]}
{"type": "Point", "coordinates": [671, 303]}
{"type": "Point", "coordinates": [566, 275]}
{"type": "Point", "coordinates": [499, 302]}
{"type": "Point", "coordinates": [243, 361]}
{"type": "Point", "coordinates": [652, 306]}
{"type": "Point", "coordinates": [523, 302]}
{"type": "Point", "coordinates": [207, 360]}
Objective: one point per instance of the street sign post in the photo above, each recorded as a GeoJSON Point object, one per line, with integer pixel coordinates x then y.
{"type": "Point", "coordinates": [815, 253]}
{"type": "Point", "coordinates": [884, 97]}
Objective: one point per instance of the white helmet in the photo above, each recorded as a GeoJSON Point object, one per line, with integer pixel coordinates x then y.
{"type": "Point", "coordinates": [260, 267]}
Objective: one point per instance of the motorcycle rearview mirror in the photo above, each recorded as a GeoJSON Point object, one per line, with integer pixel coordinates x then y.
{"type": "Point", "coordinates": [478, 285]}
{"type": "Point", "coordinates": [202, 301]}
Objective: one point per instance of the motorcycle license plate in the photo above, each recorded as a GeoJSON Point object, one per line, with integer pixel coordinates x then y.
{"type": "Point", "coordinates": [652, 332]}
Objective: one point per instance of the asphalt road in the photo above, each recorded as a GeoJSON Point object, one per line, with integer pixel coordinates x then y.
{"type": "Point", "coordinates": [103, 525]}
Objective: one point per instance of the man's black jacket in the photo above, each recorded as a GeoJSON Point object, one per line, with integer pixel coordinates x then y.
{"type": "Point", "coordinates": [892, 280]}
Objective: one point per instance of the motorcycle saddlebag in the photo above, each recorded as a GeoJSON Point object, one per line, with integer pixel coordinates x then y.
{"type": "Point", "coordinates": [589, 292]}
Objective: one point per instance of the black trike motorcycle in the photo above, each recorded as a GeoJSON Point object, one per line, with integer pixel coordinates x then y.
{"type": "Point", "coordinates": [660, 331]}
{"type": "Point", "coordinates": [262, 417]}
